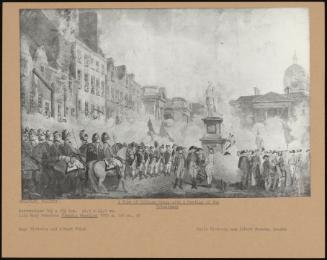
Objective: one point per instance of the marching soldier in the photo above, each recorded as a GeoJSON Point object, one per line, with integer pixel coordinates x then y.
{"type": "Point", "coordinates": [266, 172]}
{"type": "Point", "coordinates": [152, 162]}
{"type": "Point", "coordinates": [167, 160]}
{"type": "Point", "coordinates": [192, 165]}
{"type": "Point", "coordinates": [210, 166]}
{"type": "Point", "coordinates": [178, 167]}
{"type": "Point", "coordinates": [130, 156]}
{"type": "Point", "coordinates": [140, 162]}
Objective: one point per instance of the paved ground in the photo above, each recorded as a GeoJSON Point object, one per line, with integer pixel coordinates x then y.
{"type": "Point", "coordinates": [162, 187]}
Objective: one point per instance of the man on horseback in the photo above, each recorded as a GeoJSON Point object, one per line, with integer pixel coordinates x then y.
{"type": "Point", "coordinates": [106, 151]}
{"type": "Point", "coordinates": [93, 149]}
{"type": "Point", "coordinates": [83, 148]}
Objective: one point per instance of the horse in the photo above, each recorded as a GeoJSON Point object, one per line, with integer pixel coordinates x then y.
{"type": "Point", "coordinates": [67, 174]}
{"type": "Point", "coordinates": [97, 171]}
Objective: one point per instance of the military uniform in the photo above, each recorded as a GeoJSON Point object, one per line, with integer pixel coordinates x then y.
{"type": "Point", "coordinates": [178, 168]}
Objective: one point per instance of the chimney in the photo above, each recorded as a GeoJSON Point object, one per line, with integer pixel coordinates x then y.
{"type": "Point", "coordinates": [88, 29]}
{"type": "Point", "coordinates": [256, 91]}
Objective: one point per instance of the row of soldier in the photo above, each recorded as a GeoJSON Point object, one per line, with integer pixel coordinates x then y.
{"type": "Point", "coordinates": [274, 170]}
{"type": "Point", "coordinates": [140, 161]}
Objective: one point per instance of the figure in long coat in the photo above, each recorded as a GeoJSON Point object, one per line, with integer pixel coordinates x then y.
{"type": "Point", "coordinates": [244, 166]}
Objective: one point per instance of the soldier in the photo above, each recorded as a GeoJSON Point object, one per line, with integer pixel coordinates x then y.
{"type": "Point", "coordinates": [167, 160]}
{"type": "Point", "coordinates": [178, 167]}
{"type": "Point", "coordinates": [201, 163]}
{"type": "Point", "coordinates": [255, 169]}
{"type": "Point", "coordinates": [244, 166]}
{"type": "Point", "coordinates": [292, 167]}
{"type": "Point", "coordinates": [152, 161]}
{"type": "Point", "coordinates": [48, 138]}
{"type": "Point", "coordinates": [146, 160]}
{"type": "Point", "coordinates": [66, 148]}
{"type": "Point", "coordinates": [140, 162]}
{"type": "Point", "coordinates": [106, 151]}
{"type": "Point", "coordinates": [274, 172]}
{"type": "Point", "coordinates": [210, 166]}
{"type": "Point", "coordinates": [84, 140]}
{"type": "Point", "coordinates": [130, 156]}
{"type": "Point", "coordinates": [281, 166]}
{"type": "Point", "coordinates": [54, 148]}
{"type": "Point", "coordinates": [156, 154]}
{"type": "Point", "coordinates": [192, 161]}
{"type": "Point", "coordinates": [266, 171]}
{"type": "Point", "coordinates": [93, 149]}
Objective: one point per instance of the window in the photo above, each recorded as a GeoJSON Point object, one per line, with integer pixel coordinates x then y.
{"type": "Point", "coordinates": [97, 88]}
{"type": "Point", "coordinates": [91, 62]}
{"type": "Point", "coordinates": [97, 65]}
{"type": "Point", "coordinates": [31, 101]}
{"type": "Point", "coordinates": [79, 105]}
{"type": "Point", "coordinates": [112, 94]}
{"type": "Point", "coordinates": [47, 108]}
{"type": "Point", "coordinates": [86, 82]}
{"type": "Point", "coordinates": [79, 75]}
{"type": "Point", "coordinates": [86, 61]}
{"type": "Point", "coordinates": [79, 56]}
{"type": "Point", "coordinates": [112, 76]}
{"type": "Point", "coordinates": [22, 95]}
{"type": "Point", "coordinates": [59, 111]}
{"type": "Point", "coordinates": [40, 100]}
{"type": "Point", "coordinates": [102, 89]}
{"type": "Point", "coordinates": [86, 108]}
{"type": "Point", "coordinates": [102, 68]}
{"type": "Point", "coordinates": [92, 85]}
{"type": "Point", "coordinates": [72, 110]}
{"type": "Point", "coordinates": [42, 68]}
{"type": "Point", "coordinates": [92, 109]}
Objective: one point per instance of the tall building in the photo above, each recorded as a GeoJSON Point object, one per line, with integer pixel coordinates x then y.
{"type": "Point", "coordinates": [45, 68]}
{"type": "Point", "coordinates": [89, 70]}
{"type": "Point", "coordinates": [123, 92]}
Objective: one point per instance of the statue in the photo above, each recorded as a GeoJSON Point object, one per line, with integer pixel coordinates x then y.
{"type": "Point", "coordinates": [210, 101]}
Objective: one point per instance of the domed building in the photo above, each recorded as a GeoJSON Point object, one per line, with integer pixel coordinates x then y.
{"type": "Point", "coordinates": [295, 79]}
{"type": "Point", "coordinates": [258, 108]}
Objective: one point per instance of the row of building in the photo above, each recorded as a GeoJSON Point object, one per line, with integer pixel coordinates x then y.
{"type": "Point", "coordinates": [70, 77]}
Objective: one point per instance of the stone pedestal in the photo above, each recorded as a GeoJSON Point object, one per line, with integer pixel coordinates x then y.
{"type": "Point", "coordinates": [213, 138]}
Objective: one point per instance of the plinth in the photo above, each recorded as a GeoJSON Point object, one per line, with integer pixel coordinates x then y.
{"type": "Point", "coordinates": [213, 138]}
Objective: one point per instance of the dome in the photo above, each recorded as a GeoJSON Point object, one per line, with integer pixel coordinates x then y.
{"type": "Point", "coordinates": [295, 79]}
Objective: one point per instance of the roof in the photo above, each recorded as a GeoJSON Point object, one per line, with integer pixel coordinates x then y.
{"type": "Point", "coordinates": [244, 99]}
{"type": "Point", "coordinates": [272, 97]}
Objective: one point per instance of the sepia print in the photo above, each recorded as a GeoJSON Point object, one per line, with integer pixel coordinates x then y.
{"type": "Point", "coordinates": [164, 103]}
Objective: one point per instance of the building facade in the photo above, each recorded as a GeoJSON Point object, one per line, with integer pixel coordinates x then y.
{"type": "Point", "coordinates": [154, 100]}
{"type": "Point", "coordinates": [89, 71]}
{"type": "Point", "coordinates": [123, 95]}
{"type": "Point", "coordinates": [177, 109]}
{"type": "Point", "coordinates": [258, 108]}
{"type": "Point", "coordinates": [64, 73]}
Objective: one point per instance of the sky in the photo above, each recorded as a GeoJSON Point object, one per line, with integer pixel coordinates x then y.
{"type": "Point", "coordinates": [184, 49]}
